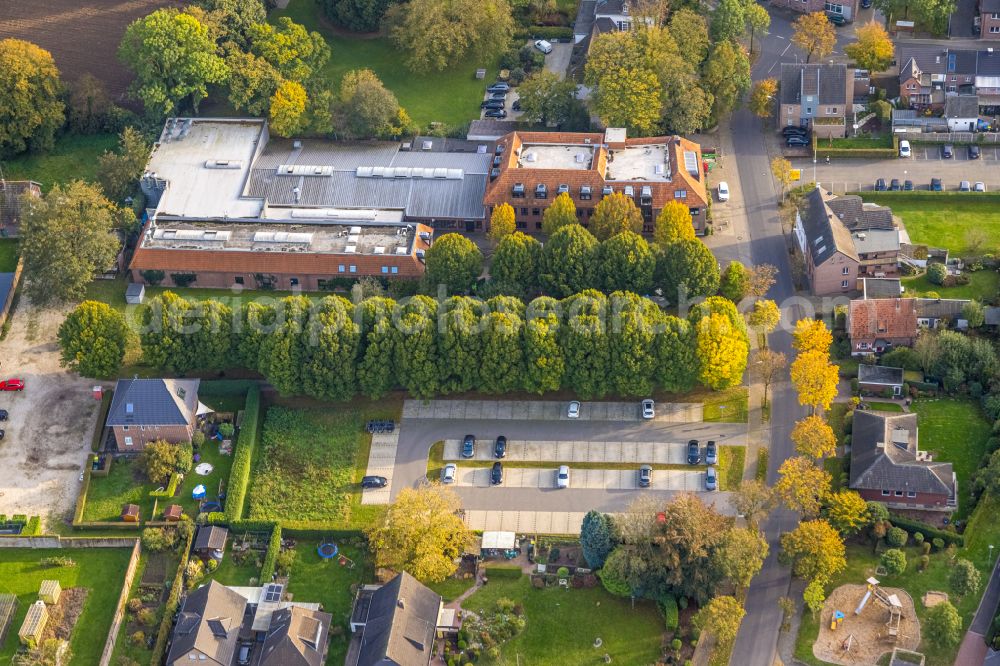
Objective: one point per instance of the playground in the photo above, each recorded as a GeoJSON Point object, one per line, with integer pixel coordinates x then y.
{"type": "Point", "coordinates": [859, 623]}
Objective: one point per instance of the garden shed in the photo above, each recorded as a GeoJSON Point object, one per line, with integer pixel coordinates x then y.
{"type": "Point", "coordinates": [34, 624]}
{"type": "Point", "coordinates": [49, 591]}
{"type": "Point", "coordinates": [130, 513]}
{"type": "Point", "coordinates": [8, 608]}
{"type": "Point", "coordinates": [173, 513]}
{"type": "Point", "coordinates": [211, 541]}
{"type": "Point", "coordinates": [497, 544]}
{"type": "Point", "coordinates": [135, 293]}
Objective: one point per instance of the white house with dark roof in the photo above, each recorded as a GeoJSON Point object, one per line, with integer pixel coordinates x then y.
{"type": "Point", "coordinates": [146, 410]}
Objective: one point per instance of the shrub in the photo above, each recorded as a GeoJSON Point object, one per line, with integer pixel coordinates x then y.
{"type": "Point", "coordinates": [671, 614]}
{"type": "Point", "coordinates": [938, 543]}
{"type": "Point", "coordinates": [212, 565]}
{"type": "Point", "coordinates": [918, 537]}
{"type": "Point", "coordinates": [158, 539]}
{"type": "Point", "coordinates": [925, 547]}
{"type": "Point", "coordinates": [929, 531]}
{"type": "Point", "coordinates": [682, 602]}
{"type": "Point", "coordinates": [197, 439]}
{"type": "Point", "coordinates": [226, 430]}
{"type": "Point", "coordinates": [936, 273]}
{"type": "Point", "coordinates": [138, 638]}
{"type": "Point", "coordinates": [194, 572]}
{"type": "Point", "coordinates": [271, 556]}
{"type": "Point", "coordinates": [57, 561]}
{"type": "Point", "coordinates": [894, 561]}
{"type": "Point", "coordinates": [563, 572]}
{"type": "Point", "coordinates": [553, 555]}
{"type": "Point", "coordinates": [134, 605]}
{"type": "Point", "coordinates": [925, 561]}
{"type": "Point", "coordinates": [239, 476]}
{"type": "Point", "coordinates": [896, 537]}
{"type": "Point", "coordinates": [146, 617]}
{"type": "Point", "coordinates": [286, 559]}
{"type": "Point", "coordinates": [676, 644]}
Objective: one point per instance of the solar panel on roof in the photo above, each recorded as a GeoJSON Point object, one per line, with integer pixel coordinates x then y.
{"type": "Point", "coordinates": [691, 162]}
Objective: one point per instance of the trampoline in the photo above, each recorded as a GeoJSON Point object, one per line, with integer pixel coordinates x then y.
{"type": "Point", "coordinates": [203, 469]}
{"type": "Point", "coordinates": [209, 507]}
{"type": "Point", "coordinates": [198, 492]}
{"type": "Point", "coordinates": [327, 550]}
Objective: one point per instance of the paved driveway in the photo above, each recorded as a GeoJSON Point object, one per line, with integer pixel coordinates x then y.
{"type": "Point", "coordinates": [547, 410]}
{"type": "Point", "coordinates": [657, 453]}
{"type": "Point", "coordinates": [557, 62]}
{"type": "Point", "coordinates": [608, 479]}
{"type": "Point", "coordinates": [381, 462]}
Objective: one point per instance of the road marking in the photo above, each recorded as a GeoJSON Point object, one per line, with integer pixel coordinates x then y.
{"type": "Point", "coordinates": [786, 49]}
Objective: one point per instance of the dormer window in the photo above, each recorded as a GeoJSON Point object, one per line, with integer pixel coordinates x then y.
{"type": "Point", "coordinates": [563, 188]}
{"type": "Point", "coordinates": [606, 191]}
{"type": "Point", "coordinates": [646, 194]}
{"type": "Point", "coordinates": [629, 191]}
{"type": "Point", "coordinates": [541, 192]}
{"type": "Point", "coordinates": [518, 191]}
{"type": "Point", "coordinates": [585, 193]}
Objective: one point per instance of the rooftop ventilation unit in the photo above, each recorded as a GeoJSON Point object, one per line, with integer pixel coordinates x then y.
{"type": "Point", "coordinates": [297, 145]}
{"type": "Point", "coordinates": [481, 149]}
{"type": "Point", "coordinates": [351, 249]}
{"type": "Point", "coordinates": [580, 158]}
{"type": "Point", "coordinates": [659, 169]}
{"type": "Point", "coordinates": [223, 164]}
{"type": "Point", "coordinates": [305, 170]}
{"type": "Point", "coordinates": [355, 230]}
{"type": "Point", "coordinates": [378, 250]}
{"type": "Point", "coordinates": [531, 157]}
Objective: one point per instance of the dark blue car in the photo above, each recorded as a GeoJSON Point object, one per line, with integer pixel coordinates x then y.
{"type": "Point", "coordinates": [468, 446]}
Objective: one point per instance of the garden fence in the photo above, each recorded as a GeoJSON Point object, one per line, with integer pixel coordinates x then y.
{"type": "Point", "coordinates": [116, 623]}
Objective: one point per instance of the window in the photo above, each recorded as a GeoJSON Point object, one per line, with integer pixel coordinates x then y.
{"type": "Point", "coordinates": [536, 211]}
{"type": "Point", "coordinates": [831, 110]}
{"type": "Point", "coordinates": [585, 193]}
{"type": "Point", "coordinates": [238, 279]}
{"type": "Point", "coordinates": [680, 194]}
{"type": "Point", "coordinates": [831, 7]}
{"type": "Point", "coordinates": [995, 16]}
{"type": "Point", "coordinates": [293, 281]}
{"type": "Point", "coordinates": [395, 270]}
{"type": "Point", "coordinates": [885, 493]}
{"type": "Point", "coordinates": [524, 211]}
{"type": "Point", "coordinates": [125, 428]}
{"type": "Point", "coordinates": [995, 29]}
{"type": "Point", "coordinates": [340, 268]}
{"type": "Point", "coordinates": [538, 226]}
{"type": "Point", "coordinates": [809, 110]}
{"type": "Point", "coordinates": [385, 269]}
{"type": "Point", "coordinates": [354, 269]}
{"type": "Point", "coordinates": [846, 270]}
{"type": "Point", "coordinates": [563, 188]}
{"type": "Point", "coordinates": [910, 493]}
{"type": "Point", "coordinates": [128, 441]}
{"type": "Point", "coordinates": [519, 224]}
{"type": "Point", "coordinates": [899, 493]}
{"type": "Point", "coordinates": [518, 191]}
{"type": "Point", "coordinates": [843, 284]}
{"type": "Point", "coordinates": [541, 192]}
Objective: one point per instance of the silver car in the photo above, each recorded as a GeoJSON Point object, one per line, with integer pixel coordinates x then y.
{"type": "Point", "coordinates": [562, 477]}
{"type": "Point", "coordinates": [574, 410]}
{"type": "Point", "coordinates": [648, 411]}
{"type": "Point", "coordinates": [711, 480]}
{"type": "Point", "coordinates": [448, 473]}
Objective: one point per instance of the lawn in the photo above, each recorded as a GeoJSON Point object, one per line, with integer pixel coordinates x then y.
{"type": "Point", "coordinates": [329, 583]}
{"type": "Point", "coordinates": [74, 157]}
{"type": "Point", "coordinates": [861, 142]}
{"type": "Point", "coordinates": [310, 463]}
{"type": "Point", "coordinates": [563, 623]}
{"type": "Point", "coordinates": [954, 431]}
{"type": "Point", "coordinates": [885, 406]}
{"type": "Point", "coordinates": [112, 292]}
{"type": "Point", "coordinates": [730, 467]}
{"type": "Point", "coordinates": [943, 219]}
{"type": "Point", "coordinates": [8, 255]}
{"type": "Point", "coordinates": [100, 570]}
{"type": "Point", "coordinates": [238, 573]}
{"type": "Point", "coordinates": [982, 530]}
{"type": "Point", "coordinates": [728, 406]}
{"type": "Point", "coordinates": [452, 588]}
{"type": "Point", "coordinates": [983, 286]}
{"type": "Point", "coordinates": [451, 97]}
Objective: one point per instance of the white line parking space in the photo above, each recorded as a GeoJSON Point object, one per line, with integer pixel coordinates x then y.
{"type": "Point", "coordinates": [548, 410]}
{"type": "Point", "coordinates": [606, 479]}
{"type": "Point", "coordinates": [381, 459]}
{"type": "Point", "coordinates": [656, 453]}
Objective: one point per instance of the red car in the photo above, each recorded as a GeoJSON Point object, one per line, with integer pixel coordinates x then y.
{"type": "Point", "coordinates": [12, 385]}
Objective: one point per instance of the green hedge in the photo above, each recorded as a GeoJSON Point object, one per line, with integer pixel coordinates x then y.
{"type": "Point", "coordinates": [81, 499]}
{"type": "Point", "coordinates": [929, 531]}
{"type": "Point", "coordinates": [173, 601]}
{"type": "Point", "coordinates": [546, 32]}
{"type": "Point", "coordinates": [271, 557]}
{"type": "Point", "coordinates": [33, 528]}
{"type": "Point", "coordinates": [924, 386]}
{"type": "Point", "coordinates": [939, 197]}
{"type": "Point", "coordinates": [239, 476]}
{"type": "Point", "coordinates": [671, 613]}
{"type": "Point", "coordinates": [503, 572]}
{"type": "Point", "coordinates": [856, 153]}
{"type": "Point", "coordinates": [171, 488]}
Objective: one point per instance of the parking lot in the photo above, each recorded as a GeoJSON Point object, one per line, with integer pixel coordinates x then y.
{"type": "Point", "coordinates": [860, 175]}
{"type": "Point", "coordinates": [556, 62]}
{"type": "Point", "coordinates": [606, 479]}
{"type": "Point", "coordinates": [655, 453]}
{"type": "Point", "coordinates": [548, 410]}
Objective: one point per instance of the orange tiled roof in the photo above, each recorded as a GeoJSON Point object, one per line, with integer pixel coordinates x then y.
{"type": "Point", "coordinates": [883, 318]}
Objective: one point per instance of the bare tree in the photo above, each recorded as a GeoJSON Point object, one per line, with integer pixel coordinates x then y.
{"type": "Point", "coordinates": [762, 278]}
{"type": "Point", "coordinates": [752, 500]}
{"type": "Point", "coordinates": [766, 366]}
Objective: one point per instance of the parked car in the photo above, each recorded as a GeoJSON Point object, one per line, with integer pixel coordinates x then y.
{"type": "Point", "coordinates": [723, 191]}
{"type": "Point", "coordinates": [980, 186]}
{"type": "Point", "coordinates": [694, 452]}
{"type": "Point", "coordinates": [516, 105]}
{"type": "Point", "coordinates": [796, 141]}
{"type": "Point", "coordinates": [836, 19]}
{"type": "Point", "coordinates": [448, 473]}
{"type": "Point", "coordinates": [468, 446]}
{"type": "Point", "coordinates": [562, 476]}
{"type": "Point", "coordinates": [499, 86]}
{"type": "Point", "coordinates": [947, 151]}
{"type": "Point", "coordinates": [543, 46]}
{"type": "Point", "coordinates": [907, 185]}
{"type": "Point", "coordinates": [493, 104]}
{"type": "Point", "coordinates": [711, 453]}
{"type": "Point", "coordinates": [880, 185]}
{"type": "Point", "coordinates": [711, 479]}
{"type": "Point", "coordinates": [794, 130]}
{"type": "Point", "coordinates": [936, 185]}
{"type": "Point", "coordinates": [500, 447]}
{"type": "Point", "coordinates": [895, 186]}
{"type": "Point", "coordinates": [645, 476]}
{"type": "Point", "coordinates": [648, 411]}
{"type": "Point", "coordinates": [496, 474]}
{"type": "Point", "coordinates": [904, 148]}
{"type": "Point", "coordinates": [974, 152]}
{"type": "Point", "coordinates": [374, 482]}
{"type": "Point", "coordinates": [866, 4]}
{"type": "Point", "coordinates": [502, 96]}
{"type": "Point", "coordinates": [12, 385]}
{"type": "Point", "coordinates": [495, 113]}
{"type": "Point", "coordinates": [573, 412]}
{"type": "Point", "coordinates": [3, 414]}
{"type": "Point", "coordinates": [965, 186]}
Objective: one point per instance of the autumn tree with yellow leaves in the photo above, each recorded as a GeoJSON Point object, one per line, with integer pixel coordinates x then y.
{"type": "Point", "coordinates": [802, 486]}
{"type": "Point", "coordinates": [847, 511]}
{"type": "Point", "coordinates": [815, 378]}
{"type": "Point", "coordinates": [811, 335]}
{"type": "Point", "coordinates": [815, 550]}
{"type": "Point", "coordinates": [813, 437]}
{"type": "Point", "coordinates": [722, 351]}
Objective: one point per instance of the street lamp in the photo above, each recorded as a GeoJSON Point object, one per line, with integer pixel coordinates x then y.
{"type": "Point", "coordinates": [991, 553]}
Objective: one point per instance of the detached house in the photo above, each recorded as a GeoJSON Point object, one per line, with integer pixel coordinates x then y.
{"type": "Point", "coordinates": [877, 325]}
{"type": "Point", "coordinates": [145, 410]}
{"type": "Point", "coordinates": [818, 96]}
{"type": "Point", "coordinates": [887, 466]}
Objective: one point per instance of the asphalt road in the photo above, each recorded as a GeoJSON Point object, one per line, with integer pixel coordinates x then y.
{"type": "Point", "coordinates": [852, 175]}
{"type": "Point", "coordinates": [756, 643]}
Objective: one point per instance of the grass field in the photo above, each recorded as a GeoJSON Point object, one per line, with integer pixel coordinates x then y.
{"type": "Point", "coordinates": [452, 588]}
{"type": "Point", "coordinates": [954, 431]}
{"type": "Point", "coordinates": [450, 97]}
{"type": "Point", "coordinates": [562, 625]}
{"type": "Point", "coordinates": [983, 286]}
{"type": "Point", "coordinates": [8, 255]}
{"type": "Point", "coordinates": [100, 570]}
{"type": "Point", "coordinates": [944, 219]}
{"type": "Point", "coordinates": [329, 583]}
{"type": "Point", "coordinates": [884, 406]}
{"type": "Point", "coordinates": [73, 158]}
{"type": "Point", "coordinates": [730, 467]}
{"type": "Point", "coordinates": [728, 406]}
{"type": "Point", "coordinates": [982, 530]}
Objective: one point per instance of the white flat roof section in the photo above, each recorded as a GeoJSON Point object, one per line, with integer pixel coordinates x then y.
{"type": "Point", "coordinates": [556, 156]}
{"type": "Point", "coordinates": [650, 162]}
{"type": "Point", "coordinates": [205, 163]}
{"type": "Point", "coordinates": [495, 540]}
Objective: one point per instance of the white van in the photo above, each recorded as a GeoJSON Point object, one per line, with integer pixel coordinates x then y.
{"type": "Point", "coordinates": [904, 148]}
{"type": "Point", "coordinates": [543, 46]}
